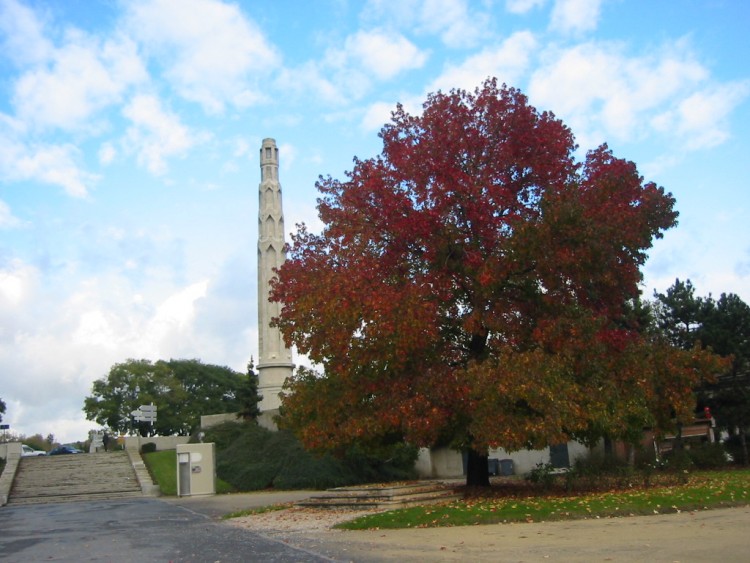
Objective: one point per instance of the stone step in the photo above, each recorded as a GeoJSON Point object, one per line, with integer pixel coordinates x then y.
{"type": "Point", "coordinates": [383, 496]}
{"type": "Point", "coordinates": [75, 477]}
{"type": "Point", "coordinates": [74, 497]}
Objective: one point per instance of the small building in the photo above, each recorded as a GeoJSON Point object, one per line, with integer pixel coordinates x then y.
{"type": "Point", "coordinates": [443, 463]}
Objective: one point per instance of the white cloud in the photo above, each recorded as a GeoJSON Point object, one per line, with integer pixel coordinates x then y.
{"type": "Point", "coordinates": [377, 115]}
{"type": "Point", "coordinates": [702, 119]}
{"type": "Point", "coordinates": [603, 93]}
{"type": "Point", "coordinates": [575, 16]}
{"type": "Point", "coordinates": [71, 340]}
{"type": "Point", "coordinates": [213, 53]}
{"type": "Point", "coordinates": [16, 279]}
{"type": "Point", "coordinates": [7, 220]}
{"type": "Point", "coordinates": [23, 33]}
{"type": "Point", "coordinates": [83, 77]}
{"type": "Point", "coordinates": [309, 80]}
{"type": "Point", "coordinates": [50, 164]}
{"type": "Point", "coordinates": [107, 153]}
{"type": "Point", "coordinates": [156, 134]}
{"type": "Point", "coordinates": [241, 148]}
{"type": "Point", "coordinates": [452, 20]}
{"type": "Point", "coordinates": [457, 23]}
{"type": "Point", "coordinates": [95, 328]}
{"type": "Point", "coordinates": [507, 62]}
{"type": "Point", "coordinates": [385, 54]}
{"type": "Point", "coordinates": [289, 156]}
{"type": "Point", "coordinates": [522, 6]}
{"type": "Point", "coordinates": [170, 327]}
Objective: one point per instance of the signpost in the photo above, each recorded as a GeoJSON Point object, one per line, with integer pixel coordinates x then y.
{"type": "Point", "coordinates": [145, 413]}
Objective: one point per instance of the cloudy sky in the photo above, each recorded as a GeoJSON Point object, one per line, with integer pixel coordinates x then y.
{"type": "Point", "coordinates": [130, 130]}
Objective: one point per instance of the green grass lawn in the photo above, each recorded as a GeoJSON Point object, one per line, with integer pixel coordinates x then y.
{"type": "Point", "coordinates": [705, 489]}
{"type": "Point", "coordinates": [163, 468]}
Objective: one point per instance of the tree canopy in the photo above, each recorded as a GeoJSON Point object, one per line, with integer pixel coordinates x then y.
{"type": "Point", "coordinates": [723, 326]}
{"type": "Point", "coordinates": [2, 409]}
{"type": "Point", "coordinates": [182, 391]}
{"type": "Point", "coordinates": [468, 286]}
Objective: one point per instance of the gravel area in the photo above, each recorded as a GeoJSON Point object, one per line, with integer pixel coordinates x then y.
{"type": "Point", "coordinates": [298, 519]}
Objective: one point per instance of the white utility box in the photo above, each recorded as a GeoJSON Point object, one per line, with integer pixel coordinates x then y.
{"type": "Point", "coordinates": [196, 469]}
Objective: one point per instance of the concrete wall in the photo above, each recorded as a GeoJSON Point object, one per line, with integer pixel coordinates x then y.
{"type": "Point", "coordinates": [523, 461]}
{"type": "Point", "coordinates": [210, 420]}
{"type": "Point", "coordinates": [162, 442]}
{"type": "Point", "coordinates": [526, 460]}
{"type": "Point", "coordinates": [445, 463]}
{"type": "Point", "coordinates": [440, 463]}
{"type": "Point", "coordinates": [10, 448]}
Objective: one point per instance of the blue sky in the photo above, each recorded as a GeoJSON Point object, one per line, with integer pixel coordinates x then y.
{"type": "Point", "coordinates": [129, 135]}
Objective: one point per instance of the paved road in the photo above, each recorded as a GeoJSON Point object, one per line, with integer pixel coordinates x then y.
{"type": "Point", "coordinates": [142, 530]}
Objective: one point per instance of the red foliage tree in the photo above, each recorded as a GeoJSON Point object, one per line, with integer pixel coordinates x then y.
{"type": "Point", "coordinates": [465, 288]}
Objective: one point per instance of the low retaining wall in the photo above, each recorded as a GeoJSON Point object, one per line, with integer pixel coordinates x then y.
{"type": "Point", "coordinates": [11, 453]}
{"type": "Point", "coordinates": [162, 442]}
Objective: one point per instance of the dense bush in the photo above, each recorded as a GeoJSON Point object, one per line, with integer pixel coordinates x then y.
{"type": "Point", "coordinates": [148, 448]}
{"type": "Point", "coordinates": [734, 447]}
{"type": "Point", "coordinates": [708, 456]}
{"type": "Point", "coordinates": [542, 474]}
{"type": "Point", "coordinates": [598, 472]}
{"type": "Point", "coordinates": [250, 457]}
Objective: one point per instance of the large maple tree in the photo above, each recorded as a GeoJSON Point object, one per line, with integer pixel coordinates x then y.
{"type": "Point", "coordinates": [468, 288]}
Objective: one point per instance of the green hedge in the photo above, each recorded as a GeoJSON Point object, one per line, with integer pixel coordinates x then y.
{"type": "Point", "coordinates": [250, 457]}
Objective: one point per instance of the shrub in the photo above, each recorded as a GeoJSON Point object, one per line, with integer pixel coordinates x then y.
{"type": "Point", "coordinates": [708, 456]}
{"type": "Point", "coordinates": [148, 448]}
{"type": "Point", "coordinates": [250, 457]}
{"type": "Point", "coordinates": [542, 474]}
{"type": "Point", "coordinates": [734, 447]}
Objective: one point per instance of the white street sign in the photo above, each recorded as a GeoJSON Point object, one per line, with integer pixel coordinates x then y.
{"type": "Point", "coordinates": [145, 413]}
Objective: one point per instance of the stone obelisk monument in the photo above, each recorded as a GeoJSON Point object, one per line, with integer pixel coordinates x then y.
{"type": "Point", "coordinates": [275, 359]}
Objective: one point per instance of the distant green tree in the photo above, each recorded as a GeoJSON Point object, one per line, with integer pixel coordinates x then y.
{"type": "Point", "coordinates": [2, 409]}
{"type": "Point", "coordinates": [722, 325]}
{"type": "Point", "coordinates": [37, 442]}
{"type": "Point", "coordinates": [726, 329]}
{"type": "Point", "coordinates": [247, 395]}
{"type": "Point", "coordinates": [679, 314]}
{"type": "Point", "coordinates": [182, 391]}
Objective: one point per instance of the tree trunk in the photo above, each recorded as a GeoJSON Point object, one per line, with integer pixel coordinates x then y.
{"type": "Point", "coordinates": [678, 446]}
{"type": "Point", "coordinates": [631, 455]}
{"type": "Point", "coordinates": [477, 470]}
{"type": "Point", "coordinates": [743, 443]}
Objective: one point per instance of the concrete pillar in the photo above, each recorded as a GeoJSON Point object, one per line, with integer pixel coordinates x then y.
{"type": "Point", "coordinates": [275, 359]}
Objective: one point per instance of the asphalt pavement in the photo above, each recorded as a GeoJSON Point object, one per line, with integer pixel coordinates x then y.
{"type": "Point", "coordinates": [142, 530]}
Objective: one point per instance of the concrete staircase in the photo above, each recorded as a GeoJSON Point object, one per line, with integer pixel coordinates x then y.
{"type": "Point", "coordinates": [384, 496]}
{"type": "Point", "coordinates": [95, 476]}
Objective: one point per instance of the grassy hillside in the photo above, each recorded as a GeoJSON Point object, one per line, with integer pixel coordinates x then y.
{"type": "Point", "coordinates": [163, 468]}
